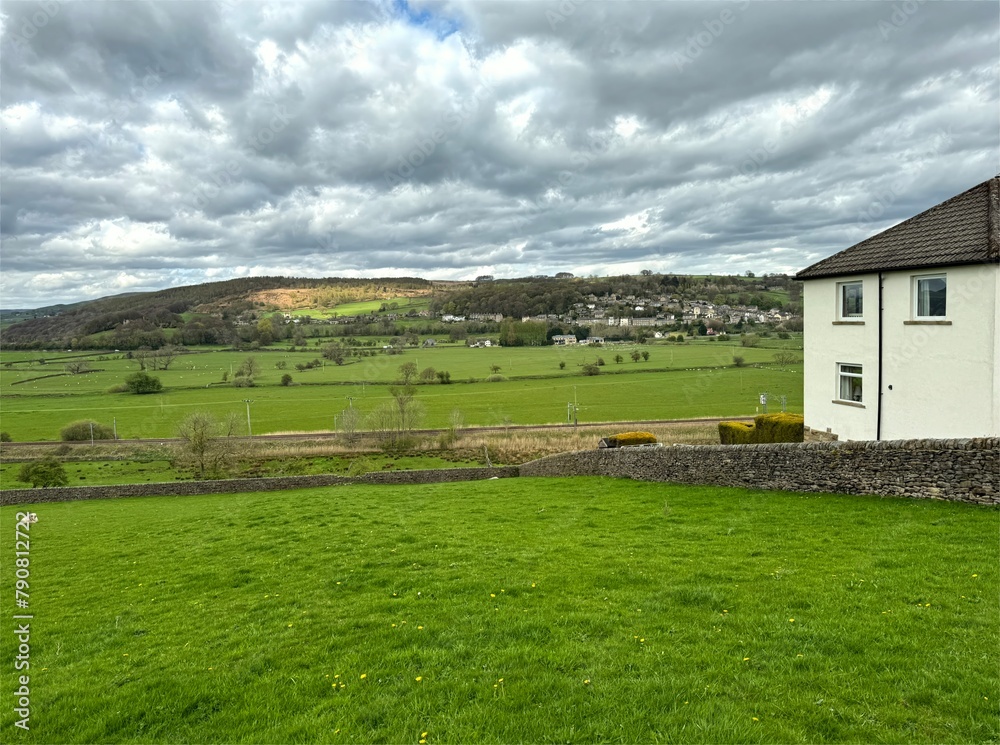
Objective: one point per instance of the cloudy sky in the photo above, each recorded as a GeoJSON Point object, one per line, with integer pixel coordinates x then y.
{"type": "Point", "coordinates": [146, 145]}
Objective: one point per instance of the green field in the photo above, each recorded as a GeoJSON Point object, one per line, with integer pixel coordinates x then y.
{"type": "Point", "coordinates": [364, 307]}
{"type": "Point", "coordinates": [138, 471]}
{"type": "Point", "coordinates": [518, 610]}
{"type": "Point", "coordinates": [678, 381]}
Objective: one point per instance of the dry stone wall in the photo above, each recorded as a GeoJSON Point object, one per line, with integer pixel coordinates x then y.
{"type": "Point", "coordinates": [233, 486]}
{"type": "Point", "coordinates": [958, 470]}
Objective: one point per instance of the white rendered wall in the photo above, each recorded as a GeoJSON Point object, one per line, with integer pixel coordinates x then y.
{"type": "Point", "coordinates": [944, 377]}
{"type": "Point", "coordinates": [829, 342]}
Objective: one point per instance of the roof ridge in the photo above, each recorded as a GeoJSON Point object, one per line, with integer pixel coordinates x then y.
{"type": "Point", "coordinates": [962, 229]}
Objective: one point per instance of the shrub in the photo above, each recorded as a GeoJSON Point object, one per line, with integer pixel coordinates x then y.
{"type": "Point", "coordinates": [117, 388]}
{"type": "Point", "coordinates": [628, 438]}
{"type": "Point", "coordinates": [286, 379]}
{"type": "Point", "coordinates": [444, 376]}
{"type": "Point", "coordinates": [141, 382]}
{"type": "Point", "coordinates": [600, 362]}
{"type": "Point", "coordinates": [750, 340]}
{"type": "Point", "coordinates": [736, 433]}
{"type": "Point", "coordinates": [5, 437]}
{"type": "Point", "coordinates": [739, 361]}
{"type": "Point", "coordinates": [562, 365]}
{"type": "Point", "coordinates": [495, 379]}
{"type": "Point", "coordinates": [785, 358]}
{"type": "Point", "coordinates": [45, 472]}
{"type": "Point", "coordinates": [765, 428]}
{"type": "Point", "coordinates": [779, 427]}
{"type": "Point", "coordinates": [80, 431]}
{"type": "Point", "coordinates": [591, 369]}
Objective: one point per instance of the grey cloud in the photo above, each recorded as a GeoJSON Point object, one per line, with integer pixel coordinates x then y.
{"type": "Point", "coordinates": [168, 142]}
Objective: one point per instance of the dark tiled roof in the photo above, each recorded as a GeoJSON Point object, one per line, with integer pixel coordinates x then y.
{"type": "Point", "coordinates": [962, 230]}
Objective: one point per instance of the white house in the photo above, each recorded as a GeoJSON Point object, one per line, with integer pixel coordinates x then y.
{"type": "Point", "coordinates": [901, 330]}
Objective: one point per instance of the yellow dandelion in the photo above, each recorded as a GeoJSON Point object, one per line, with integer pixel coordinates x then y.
{"type": "Point", "coordinates": [800, 655]}
{"type": "Point", "coordinates": [756, 719]}
{"type": "Point", "coordinates": [686, 703]}
{"type": "Point", "coordinates": [492, 595]}
{"type": "Point", "coordinates": [289, 625]}
{"type": "Point", "coordinates": [725, 611]}
{"type": "Point", "coordinates": [394, 625]}
{"type": "Point", "coordinates": [975, 575]}
{"type": "Point", "coordinates": [336, 676]}
{"type": "Point", "coordinates": [364, 675]}
{"type": "Point", "coordinates": [587, 682]}
{"type": "Point", "coordinates": [642, 641]}
{"type": "Point", "coordinates": [420, 628]}
{"type": "Point", "coordinates": [423, 742]}
{"type": "Point", "coordinates": [791, 620]}
{"type": "Point", "coordinates": [500, 681]}
{"type": "Point", "coordinates": [419, 678]}
{"type": "Point", "coordinates": [336, 732]}
{"type": "Point", "coordinates": [746, 659]}
{"type": "Point", "coordinates": [532, 584]}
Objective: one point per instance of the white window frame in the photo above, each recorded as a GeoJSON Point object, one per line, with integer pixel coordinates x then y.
{"type": "Point", "coordinates": [841, 291]}
{"type": "Point", "coordinates": [842, 374]}
{"type": "Point", "coordinates": [917, 279]}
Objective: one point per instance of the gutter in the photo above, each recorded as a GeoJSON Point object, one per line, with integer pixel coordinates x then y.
{"type": "Point", "coordinates": [878, 403]}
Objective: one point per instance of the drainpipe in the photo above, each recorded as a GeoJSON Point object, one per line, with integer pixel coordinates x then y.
{"type": "Point", "coordinates": [878, 403]}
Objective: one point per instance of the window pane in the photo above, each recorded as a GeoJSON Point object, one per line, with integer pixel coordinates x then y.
{"type": "Point", "coordinates": [851, 307]}
{"type": "Point", "coordinates": [931, 296]}
{"type": "Point", "coordinates": [850, 383]}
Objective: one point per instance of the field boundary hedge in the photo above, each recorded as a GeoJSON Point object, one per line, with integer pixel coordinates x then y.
{"type": "Point", "coordinates": [234, 486]}
{"type": "Point", "coordinates": [957, 470]}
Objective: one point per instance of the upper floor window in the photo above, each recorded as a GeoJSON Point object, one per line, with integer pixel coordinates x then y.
{"type": "Point", "coordinates": [851, 299]}
{"type": "Point", "coordinates": [930, 294]}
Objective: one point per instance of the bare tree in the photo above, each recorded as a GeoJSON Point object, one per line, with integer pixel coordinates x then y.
{"type": "Point", "coordinates": [350, 420]}
{"type": "Point", "coordinates": [164, 356]}
{"type": "Point", "coordinates": [209, 447]}
{"type": "Point", "coordinates": [77, 367]}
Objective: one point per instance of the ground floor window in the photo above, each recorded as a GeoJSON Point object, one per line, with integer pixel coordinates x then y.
{"type": "Point", "coordinates": [850, 382]}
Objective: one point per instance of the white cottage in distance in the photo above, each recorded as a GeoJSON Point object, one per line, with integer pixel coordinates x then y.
{"type": "Point", "coordinates": [901, 330]}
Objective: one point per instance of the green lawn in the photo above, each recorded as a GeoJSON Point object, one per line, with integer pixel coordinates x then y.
{"type": "Point", "coordinates": [674, 384]}
{"type": "Point", "coordinates": [522, 610]}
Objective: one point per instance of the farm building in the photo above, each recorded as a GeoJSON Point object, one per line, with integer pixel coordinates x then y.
{"type": "Point", "coordinates": [563, 339]}
{"type": "Point", "coordinates": [901, 329]}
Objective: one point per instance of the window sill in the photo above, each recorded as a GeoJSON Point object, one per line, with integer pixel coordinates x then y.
{"type": "Point", "coordinates": [927, 323]}
{"type": "Point", "coordinates": [855, 404]}
{"type": "Point", "coordinates": [848, 323]}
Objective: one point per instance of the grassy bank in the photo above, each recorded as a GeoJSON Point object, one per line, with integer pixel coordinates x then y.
{"type": "Point", "coordinates": [578, 610]}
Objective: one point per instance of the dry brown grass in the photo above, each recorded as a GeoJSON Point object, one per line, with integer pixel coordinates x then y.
{"type": "Point", "coordinates": [514, 446]}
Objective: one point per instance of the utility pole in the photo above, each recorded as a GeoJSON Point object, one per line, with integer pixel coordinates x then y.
{"type": "Point", "coordinates": [248, 401]}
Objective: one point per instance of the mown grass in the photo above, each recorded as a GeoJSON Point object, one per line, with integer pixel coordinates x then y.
{"type": "Point", "coordinates": [527, 610]}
